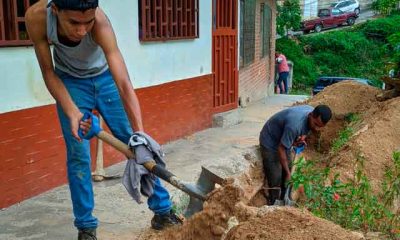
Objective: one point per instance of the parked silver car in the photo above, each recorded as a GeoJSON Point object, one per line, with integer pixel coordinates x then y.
{"type": "Point", "coordinates": [347, 6]}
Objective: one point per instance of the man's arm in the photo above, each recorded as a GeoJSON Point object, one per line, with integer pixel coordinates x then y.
{"type": "Point", "coordinates": [105, 37]}
{"type": "Point", "coordinates": [35, 19]}
{"type": "Point", "coordinates": [287, 140]}
{"type": "Point", "coordinates": [284, 160]}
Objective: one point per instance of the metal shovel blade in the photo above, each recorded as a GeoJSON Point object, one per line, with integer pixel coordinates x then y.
{"type": "Point", "coordinates": [205, 184]}
{"type": "Point", "coordinates": [288, 197]}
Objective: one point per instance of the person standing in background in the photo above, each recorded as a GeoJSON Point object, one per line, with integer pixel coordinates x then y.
{"type": "Point", "coordinates": [283, 70]}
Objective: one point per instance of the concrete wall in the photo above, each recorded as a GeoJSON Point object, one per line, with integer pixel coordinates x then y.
{"type": "Point", "coordinates": [149, 64]}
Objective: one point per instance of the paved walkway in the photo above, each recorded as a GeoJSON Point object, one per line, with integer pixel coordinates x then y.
{"type": "Point", "coordinates": [49, 215]}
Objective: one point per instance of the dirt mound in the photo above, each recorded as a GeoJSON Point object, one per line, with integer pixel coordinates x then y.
{"type": "Point", "coordinates": [343, 98]}
{"type": "Point", "coordinates": [228, 207]}
{"type": "Point", "coordinates": [376, 137]}
{"type": "Point", "coordinates": [212, 222]}
{"type": "Point", "coordinates": [375, 141]}
{"type": "Point", "coordinates": [289, 224]}
{"type": "Point", "coordinates": [235, 211]}
{"type": "Point", "coordinates": [346, 97]}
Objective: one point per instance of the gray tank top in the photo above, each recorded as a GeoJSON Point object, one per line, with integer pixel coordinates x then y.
{"type": "Point", "coordinates": [85, 60]}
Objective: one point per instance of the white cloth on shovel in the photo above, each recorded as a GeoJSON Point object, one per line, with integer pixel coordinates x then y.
{"type": "Point", "coordinates": [137, 179]}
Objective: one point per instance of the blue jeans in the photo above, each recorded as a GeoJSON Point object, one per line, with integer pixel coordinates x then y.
{"type": "Point", "coordinates": [99, 93]}
{"type": "Point", "coordinates": [283, 76]}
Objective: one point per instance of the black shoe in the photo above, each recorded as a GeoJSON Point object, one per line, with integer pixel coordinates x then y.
{"type": "Point", "coordinates": [159, 222]}
{"type": "Point", "coordinates": [87, 234]}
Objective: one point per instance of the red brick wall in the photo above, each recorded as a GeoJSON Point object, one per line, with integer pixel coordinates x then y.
{"type": "Point", "coordinates": [32, 150]}
{"type": "Point", "coordinates": [256, 78]}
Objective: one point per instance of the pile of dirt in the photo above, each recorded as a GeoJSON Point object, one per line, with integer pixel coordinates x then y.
{"type": "Point", "coordinates": [237, 211]}
{"type": "Point", "coordinates": [228, 214]}
{"type": "Point", "coordinates": [343, 98]}
{"type": "Point", "coordinates": [374, 142]}
{"type": "Point", "coordinates": [346, 97]}
{"type": "Point", "coordinates": [287, 223]}
{"type": "Point", "coordinates": [376, 137]}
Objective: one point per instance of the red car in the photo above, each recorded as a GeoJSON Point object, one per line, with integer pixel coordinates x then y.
{"type": "Point", "coordinates": [328, 18]}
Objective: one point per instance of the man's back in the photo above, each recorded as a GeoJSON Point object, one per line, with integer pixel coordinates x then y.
{"type": "Point", "coordinates": [285, 126]}
{"type": "Point", "coordinates": [283, 65]}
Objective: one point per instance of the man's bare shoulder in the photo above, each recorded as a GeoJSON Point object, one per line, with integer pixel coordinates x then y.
{"type": "Point", "coordinates": [102, 31]}
{"type": "Point", "coordinates": [35, 18]}
{"type": "Point", "coordinates": [102, 22]}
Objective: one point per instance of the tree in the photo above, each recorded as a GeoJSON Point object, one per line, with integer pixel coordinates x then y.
{"type": "Point", "coordinates": [289, 16]}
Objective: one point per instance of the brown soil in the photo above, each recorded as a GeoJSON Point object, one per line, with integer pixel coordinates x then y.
{"type": "Point", "coordinates": [237, 201]}
{"type": "Point", "coordinates": [287, 223]}
{"type": "Point", "coordinates": [236, 210]}
{"type": "Point", "coordinates": [346, 97]}
{"type": "Point", "coordinates": [375, 138]}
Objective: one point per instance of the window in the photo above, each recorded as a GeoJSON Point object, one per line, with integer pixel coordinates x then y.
{"type": "Point", "coordinates": [247, 31]}
{"type": "Point", "coordinates": [335, 12]}
{"type": "Point", "coordinates": [12, 22]}
{"type": "Point", "coordinates": [324, 13]}
{"type": "Point", "coordinates": [265, 15]}
{"type": "Point", "coordinates": [161, 20]}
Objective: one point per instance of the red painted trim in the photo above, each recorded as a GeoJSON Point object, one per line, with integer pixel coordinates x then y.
{"type": "Point", "coordinates": [32, 150]}
{"type": "Point", "coordinates": [224, 55]}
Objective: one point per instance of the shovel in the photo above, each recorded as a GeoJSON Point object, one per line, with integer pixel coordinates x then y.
{"type": "Point", "coordinates": [99, 174]}
{"type": "Point", "coordinates": [198, 193]}
{"type": "Point", "coordinates": [288, 201]}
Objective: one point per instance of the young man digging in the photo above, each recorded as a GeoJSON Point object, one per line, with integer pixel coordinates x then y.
{"type": "Point", "coordinates": [88, 73]}
{"type": "Point", "coordinates": [280, 133]}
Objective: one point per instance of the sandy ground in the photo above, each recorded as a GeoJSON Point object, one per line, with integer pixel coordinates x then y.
{"type": "Point", "coordinates": [236, 210]}
{"type": "Point", "coordinates": [223, 150]}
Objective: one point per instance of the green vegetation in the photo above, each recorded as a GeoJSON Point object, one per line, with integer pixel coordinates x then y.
{"type": "Point", "coordinates": [346, 133]}
{"type": "Point", "coordinates": [344, 137]}
{"type": "Point", "coordinates": [361, 51]}
{"type": "Point", "coordinates": [351, 205]}
{"type": "Point", "coordinates": [289, 16]}
{"type": "Point", "coordinates": [380, 29]}
{"type": "Point", "coordinates": [304, 72]}
{"type": "Point", "coordinates": [384, 7]}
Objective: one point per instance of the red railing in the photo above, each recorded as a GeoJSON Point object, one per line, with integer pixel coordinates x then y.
{"type": "Point", "coordinates": [12, 22]}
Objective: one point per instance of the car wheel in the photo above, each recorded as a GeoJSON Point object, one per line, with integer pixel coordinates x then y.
{"type": "Point", "coordinates": [357, 11]}
{"type": "Point", "coordinates": [350, 21]}
{"type": "Point", "coordinates": [318, 28]}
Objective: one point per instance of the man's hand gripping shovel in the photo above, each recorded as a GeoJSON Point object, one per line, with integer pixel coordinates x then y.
{"type": "Point", "coordinates": [198, 193]}
{"type": "Point", "coordinates": [288, 201]}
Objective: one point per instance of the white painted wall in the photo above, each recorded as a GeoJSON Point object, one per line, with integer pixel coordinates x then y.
{"type": "Point", "coordinates": [310, 9]}
{"type": "Point", "coordinates": [148, 64]}
{"type": "Point", "coordinates": [159, 62]}
{"type": "Point", "coordinates": [21, 84]}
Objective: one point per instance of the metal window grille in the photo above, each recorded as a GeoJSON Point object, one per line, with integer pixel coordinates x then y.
{"type": "Point", "coordinates": [225, 15]}
{"type": "Point", "coordinates": [266, 20]}
{"type": "Point", "coordinates": [247, 31]}
{"type": "Point", "coordinates": [161, 20]}
{"type": "Point", "coordinates": [12, 22]}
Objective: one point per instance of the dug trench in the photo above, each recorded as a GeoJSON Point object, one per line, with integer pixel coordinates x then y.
{"type": "Point", "coordinates": [236, 210]}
